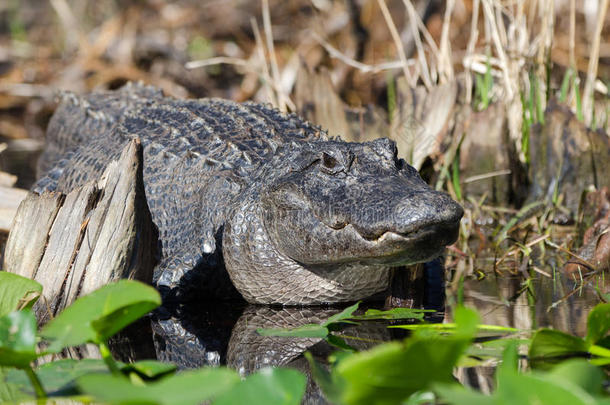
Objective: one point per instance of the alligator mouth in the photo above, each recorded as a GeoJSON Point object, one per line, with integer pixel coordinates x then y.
{"type": "Point", "coordinates": [399, 248]}
{"type": "Point", "coordinates": [420, 233]}
{"type": "Point", "coordinates": [446, 233]}
{"type": "Point", "coordinates": [441, 228]}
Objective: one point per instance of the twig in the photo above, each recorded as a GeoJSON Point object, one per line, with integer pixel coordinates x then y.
{"type": "Point", "coordinates": [556, 246]}
{"type": "Point", "coordinates": [260, 47]}
{"type": "Point", "coordinates": [544, 51]}
{"type": "Point", "coordinates": [478, 63]}
{"type": "Point", "coordinates": [594, 61]}
{"type": "Point", "coordinates": [539, 270]}
{"type": "Point", "coordinates": [73, 38]}
{"type": "Point", "coordinates": [418, 43]}
{"type": "Point", "coordinates": [572, 35]}
{"type": "Point", "coordinates": [194, 64]}
{"type": "Point", "coordinates": [28, 90]}
{"type": "Point", "coordinates": [472, 41]}
{"type": "Point", "coordinates": [244, 63]}
{"type": "Point", "coordinates": [486, 176]}
{"type": "Point", "coordinates": [397, 42]}
{"type": "Point", "coordinates": [499, 49]}
{"type": "Point", "coordinates": [275, 71]}
{"type": "Point", "coordinates": [363, 67]}
{"type": "Point", "coordinates": [445, 65]}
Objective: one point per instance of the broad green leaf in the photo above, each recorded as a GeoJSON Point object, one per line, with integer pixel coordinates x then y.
{"type": "Point", "coordinates": [18, 339]}
{"type": "Point", "coordinates": [467, 321]}
{"type": "Point", "coordinates": [534, 389]}
{"type": "Point", "coordinates": [520, 389]}
{"type": "Point", "coordinates": [598, 323]}
{"type": "Point", "coordinates": [97, 316]}
{"type": "Point", "coordinates": [391, 372]}
{"type": "Point", "coordinates": [420, 398]}
{"type": "Point", "coordinates": [150, 368]}
{"type": "Point", "coordinates": [17, 292]}
{"type": "Point", "coordinates": [458, 395]}
{"type": "Point", "coordinates": [269, 386]}
{"type": "Point", "coordinates": [58, 377]}
{"type": "Point", "coordinates": [310, 330]}
{"type": "Point", "coordinates": [581, 373]}
{"type": "Point", "coordinates": [191, 387]}
{"type": "Point", "coordinates": [573, 382]}
{"type": "Point", "coordinates": [11, 392]}
{"type": "Point", "coordinates": [600, 351]}
{"type": "Point", "coordinates": [510, 363]}
{"type": "Point", "coordinates": [343, 315]}
{"type": "Point", "coordinates": [549, 345]}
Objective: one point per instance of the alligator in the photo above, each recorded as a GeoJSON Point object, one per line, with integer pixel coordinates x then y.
{"type": "Point", "coordinates": [295, 217]}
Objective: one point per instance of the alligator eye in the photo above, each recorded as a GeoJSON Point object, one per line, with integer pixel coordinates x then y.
{"type": "Point", "coordinates": [329, 161]}
{"type": "Point", "coordinates": [330, 164]}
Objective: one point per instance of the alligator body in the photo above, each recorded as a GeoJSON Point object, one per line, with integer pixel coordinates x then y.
{"type": "Point", "coordinates": [294, 217]}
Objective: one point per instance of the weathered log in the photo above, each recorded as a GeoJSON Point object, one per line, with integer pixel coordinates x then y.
{"type": "Point", "coordinates": [73, 244]}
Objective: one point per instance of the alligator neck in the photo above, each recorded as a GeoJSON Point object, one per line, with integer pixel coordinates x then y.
{"type": "Point", "coordinates": [263, 275]}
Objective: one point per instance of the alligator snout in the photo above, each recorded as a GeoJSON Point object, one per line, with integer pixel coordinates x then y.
{"type": "Point", "coordinates": [426, 211]}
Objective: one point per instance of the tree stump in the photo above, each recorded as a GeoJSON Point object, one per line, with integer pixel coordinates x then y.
{"type": "Point", "coordinates": [77, 242]}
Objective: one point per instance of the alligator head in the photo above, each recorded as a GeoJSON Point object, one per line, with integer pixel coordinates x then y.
{"type": "Point", "coordinates": [325, 221]}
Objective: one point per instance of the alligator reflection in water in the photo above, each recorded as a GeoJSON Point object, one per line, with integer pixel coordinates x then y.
{"type": "Point", "coordinates": [196, 340]}
{"type": "Point", "coordinates": [216, 333]}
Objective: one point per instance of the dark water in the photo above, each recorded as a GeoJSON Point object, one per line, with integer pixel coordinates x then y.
{"type": "Point", "coordinates": [561, 302]}
{"type": "Point", "coordinates": [224, 333]}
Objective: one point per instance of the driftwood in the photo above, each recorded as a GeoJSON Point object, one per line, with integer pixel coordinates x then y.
{"type": "Point", "coordinates": [73, 244]}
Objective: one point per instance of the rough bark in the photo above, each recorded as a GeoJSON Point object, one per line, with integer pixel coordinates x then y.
{"type": "Point", "coordinates": [98, 233]}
